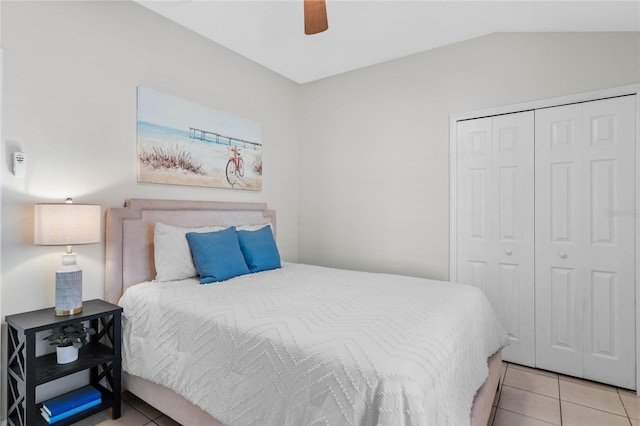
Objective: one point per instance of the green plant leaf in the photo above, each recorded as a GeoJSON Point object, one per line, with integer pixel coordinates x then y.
{"type": "Point", "coordinates": [73, 334]}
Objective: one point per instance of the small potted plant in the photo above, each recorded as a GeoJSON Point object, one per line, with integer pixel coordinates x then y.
{"type": "Point", "coordinates": [68, 340]}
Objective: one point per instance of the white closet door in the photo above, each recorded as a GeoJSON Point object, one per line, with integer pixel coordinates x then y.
{"type": "Point", "coordinates": [609, 175]}
{"type": "Point", "coordinates": [495, 222]}
{"type": "Point", "coordinates": [585, 246]}
{"type": "Point", "coordinates": [476, 247]}
{"type": "Point", "coordinates": [559, 292]}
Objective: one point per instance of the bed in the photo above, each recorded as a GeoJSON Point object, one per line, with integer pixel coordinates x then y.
{"type": "Point", "coordinates": [287, 369]}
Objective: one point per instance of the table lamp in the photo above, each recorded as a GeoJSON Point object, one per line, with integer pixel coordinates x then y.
{"type": "Point", "coordinates": [67, 224]}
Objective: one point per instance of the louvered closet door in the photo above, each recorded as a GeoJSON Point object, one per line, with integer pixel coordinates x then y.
{"type": "Point", "coordinates": [495, 221]}
{"type": "Point", "coordinates": [585, 240]}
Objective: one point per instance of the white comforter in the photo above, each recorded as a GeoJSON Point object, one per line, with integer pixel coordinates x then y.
{"type": "Point", "coordinates": [310, 345]}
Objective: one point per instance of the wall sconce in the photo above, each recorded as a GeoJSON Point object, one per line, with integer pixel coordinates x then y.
{"type": "Point", "coordinates": [67, 225]}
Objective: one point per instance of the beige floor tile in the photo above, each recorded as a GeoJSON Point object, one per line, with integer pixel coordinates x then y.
{"type": "Point", "coordinates": [631, 404]}
{"type": "Point", "coordinates": [578, 415]}
{"type": "Point", "coordinates": [127, 396]}
{"type": "Point", "coordinates": [584, 382]}
{"type": "Point", "coordinates": [146, 409]}
{"type": "Point", "coordinates": [166, 421]}
{"type": "Point", "coordinates": [534, 370]}
{"type": "Point", "coordinates": [509, 418]}
{"type": "Point", "coordinates": [129, 417]}
{"type": "Point", "coordinates": [532, 382]}
{"type": "Point", "coordinates": [590, 396]}
{"type": "Point", "coordinates": [635, 422]}
{"type": "Point", "coordinates": [530, 404]}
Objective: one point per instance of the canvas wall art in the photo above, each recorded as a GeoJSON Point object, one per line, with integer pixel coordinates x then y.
{"type": "Point", "coordinates": [183, 143]}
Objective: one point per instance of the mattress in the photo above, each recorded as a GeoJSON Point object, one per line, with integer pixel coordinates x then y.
{"type": "Point", "coordinates": [311, 345]}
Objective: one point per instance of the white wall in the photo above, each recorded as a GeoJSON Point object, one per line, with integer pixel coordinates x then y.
{"type": "Point", "coordinates": [71, 71]}
{"type": "Point", "coordinates": [374, 148]}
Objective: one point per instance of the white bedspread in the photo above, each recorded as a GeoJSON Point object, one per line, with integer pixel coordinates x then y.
{"type": "Point", "coordinates": [310, 345]}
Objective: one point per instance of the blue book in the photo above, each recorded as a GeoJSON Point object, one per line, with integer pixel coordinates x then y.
{"type": "Point", "coordinates": [69, 413]}
{"type": "Point", "coordinates": [70, 400]}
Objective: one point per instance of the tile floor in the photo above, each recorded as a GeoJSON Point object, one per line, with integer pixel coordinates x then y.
{"type": "Point", "coordinates": [536, 397]}
{"type": "Point", "coordinates": [526, 397]}
{"type": "Point", "coordinates": [135, 412]}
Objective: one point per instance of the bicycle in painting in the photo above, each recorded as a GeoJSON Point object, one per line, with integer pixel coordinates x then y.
{"type": "Point", "coordinates": [235, 166]}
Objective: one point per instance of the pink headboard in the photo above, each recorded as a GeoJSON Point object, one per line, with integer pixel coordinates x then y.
{"type": "Point", "coordinates": [129, 233]}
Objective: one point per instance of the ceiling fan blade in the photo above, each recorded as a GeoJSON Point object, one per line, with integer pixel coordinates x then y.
{"type": "Point", "coordinates": [315, 16]}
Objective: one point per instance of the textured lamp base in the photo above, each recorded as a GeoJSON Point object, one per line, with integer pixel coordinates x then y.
{"type": "Point", "coordinates": [68, 293]}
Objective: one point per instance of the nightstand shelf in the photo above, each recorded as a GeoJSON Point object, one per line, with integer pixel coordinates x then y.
{"type": "Point", "coordinates": [107, 401]}
{"type": "Point", "coordinates": [26, 371]}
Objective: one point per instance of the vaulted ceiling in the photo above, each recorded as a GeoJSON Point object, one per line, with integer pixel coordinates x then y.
{"type": "Point", "coordinates": [363, 33]}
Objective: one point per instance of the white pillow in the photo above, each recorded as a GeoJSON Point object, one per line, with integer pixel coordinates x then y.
{"type": "Point", "coordinates": [253, 227]}
{"type": "Point", "coordinates": [172, 254]}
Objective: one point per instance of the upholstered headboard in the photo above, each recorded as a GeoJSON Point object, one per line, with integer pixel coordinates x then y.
{"type": "Point", "coordinates": [129, 233]}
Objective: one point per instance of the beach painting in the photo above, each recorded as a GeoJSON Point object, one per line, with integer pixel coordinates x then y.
{"type": "Point", "coordinates": [184, 143]}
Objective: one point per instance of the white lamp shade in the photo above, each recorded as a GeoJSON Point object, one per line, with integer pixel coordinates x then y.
{"type": "Point", "coordinates": [66, 224]}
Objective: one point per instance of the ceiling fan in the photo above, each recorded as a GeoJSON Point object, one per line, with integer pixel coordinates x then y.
{"type": "Point", "coordinates": [315, 16]}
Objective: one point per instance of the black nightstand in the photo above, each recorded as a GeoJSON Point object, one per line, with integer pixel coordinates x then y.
{"type": "Point", "coordinates": [26, 371]}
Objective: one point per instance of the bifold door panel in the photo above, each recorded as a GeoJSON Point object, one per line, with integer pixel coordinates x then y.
{"type": "Point", "coordinates": [585, 242]}
{"type": "Point", "coordinates": [495, 221]}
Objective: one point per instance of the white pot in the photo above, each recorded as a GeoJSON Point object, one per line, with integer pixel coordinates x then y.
{"type": "Point", "coordinates": [66, 354]}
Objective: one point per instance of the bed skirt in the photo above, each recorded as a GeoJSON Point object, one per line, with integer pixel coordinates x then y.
{"type": "Point", "coordinates": [186, 413]}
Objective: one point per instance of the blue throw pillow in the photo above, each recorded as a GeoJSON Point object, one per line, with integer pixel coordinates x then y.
{"type": "Point", "coordinates": [259, 249]}
{"type": "Point", "coordinates": [217, 255]}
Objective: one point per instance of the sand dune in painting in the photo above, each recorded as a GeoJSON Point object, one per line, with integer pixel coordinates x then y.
{"type": "Point", "coordinates": [207, 157]}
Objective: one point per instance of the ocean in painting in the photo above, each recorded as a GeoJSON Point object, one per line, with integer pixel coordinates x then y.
{"type": "Point", "coordinates": [156, 131]}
